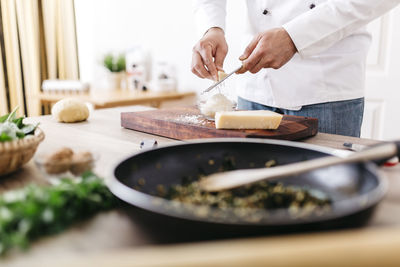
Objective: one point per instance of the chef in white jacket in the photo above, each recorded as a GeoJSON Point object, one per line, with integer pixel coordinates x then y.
{"type": "Point", "coordinates": [304, 57]}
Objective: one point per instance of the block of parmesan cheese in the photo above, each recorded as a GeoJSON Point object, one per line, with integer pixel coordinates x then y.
{"type": "Point", "coordinates": [247, 119]}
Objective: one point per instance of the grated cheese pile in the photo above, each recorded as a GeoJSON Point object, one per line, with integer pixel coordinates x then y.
{"type": "Point", "coordinates": [217, 102]}
{"type": "Point", "coordinates": [191, 119]}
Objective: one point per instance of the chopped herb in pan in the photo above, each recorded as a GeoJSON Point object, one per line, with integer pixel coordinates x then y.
{"type": "Point", "coordinates": [298, 202]}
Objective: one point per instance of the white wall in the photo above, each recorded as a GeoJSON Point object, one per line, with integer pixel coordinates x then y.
{"type": "Point", "coordinates": [164, 27]}
{"type": "Point", "coordinates": [383, 80]}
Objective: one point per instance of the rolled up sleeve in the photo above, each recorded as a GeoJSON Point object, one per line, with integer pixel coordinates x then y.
{"type": "Point", "coordinates": [321, 27]}
{"type": "Point", "coordinates": [209, 14]}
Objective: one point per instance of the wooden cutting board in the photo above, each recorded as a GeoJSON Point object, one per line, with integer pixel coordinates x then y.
{"type": "Point", "coordinates": [187, 123]}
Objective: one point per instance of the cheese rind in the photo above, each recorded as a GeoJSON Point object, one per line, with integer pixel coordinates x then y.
{"type": "Point", "coordinates": [248, 119]}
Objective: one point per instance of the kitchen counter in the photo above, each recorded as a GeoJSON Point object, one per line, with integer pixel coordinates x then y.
{"type": "Point", "coordinates": [113, 238]}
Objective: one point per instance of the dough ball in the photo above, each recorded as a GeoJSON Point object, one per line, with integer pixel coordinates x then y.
{"type": "Point", "coordinates": [70, 110]}
{"type": "Point", "coordinates": [217, 102]}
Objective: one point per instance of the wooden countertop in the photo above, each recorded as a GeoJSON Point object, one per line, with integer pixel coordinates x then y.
{"type": "Point", "coordinates": [113, 239]}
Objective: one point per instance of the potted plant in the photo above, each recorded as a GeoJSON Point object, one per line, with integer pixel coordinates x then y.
{"type": "Point", "coordinates": [116, 67]}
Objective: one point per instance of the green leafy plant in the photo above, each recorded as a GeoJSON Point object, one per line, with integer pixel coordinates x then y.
{"type": "Point", "coordinates": [35, 211]}
{"type": "Point", "coordinates": [12, 127]}
{"type": "Point", "coordinates": [114, 63]}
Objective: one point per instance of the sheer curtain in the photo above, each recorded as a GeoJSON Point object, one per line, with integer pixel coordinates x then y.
{"type": "Point", "coordinates": [38, 42]}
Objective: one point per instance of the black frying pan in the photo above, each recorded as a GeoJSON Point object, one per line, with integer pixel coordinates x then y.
{"type": "Point", "coordinates": [355, 189]}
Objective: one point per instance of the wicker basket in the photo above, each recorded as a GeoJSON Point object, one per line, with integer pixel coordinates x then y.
{"type": "Point", "coordinates": [16, 153]}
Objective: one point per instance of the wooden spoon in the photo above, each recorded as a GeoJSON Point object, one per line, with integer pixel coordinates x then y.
{"type": "Point", "coordinates": [232, 179]}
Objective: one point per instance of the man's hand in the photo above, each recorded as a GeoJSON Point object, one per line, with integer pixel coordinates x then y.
{"type": "Point", "coordinates": [269, 49]}
{"type": "Point", "coordinates": [209, 54]}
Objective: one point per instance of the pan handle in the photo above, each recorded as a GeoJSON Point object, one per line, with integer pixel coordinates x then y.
{"type": "Point", "coordinates": [381, 162]}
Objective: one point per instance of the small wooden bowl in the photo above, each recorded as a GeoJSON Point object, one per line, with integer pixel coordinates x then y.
{"type": "Point", "coordinates": [14, 154]}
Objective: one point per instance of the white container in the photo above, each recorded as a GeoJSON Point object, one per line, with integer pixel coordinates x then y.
{"type": "Point", "coordinates": [137, 68]}
{"type": "Point", "coordinates": [164, 77]}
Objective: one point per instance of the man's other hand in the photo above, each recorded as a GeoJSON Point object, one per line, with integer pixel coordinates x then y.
{"type": "Point", "coordinates": [269, 49]}
{"type": "Point", "coordinates": [209, 54]}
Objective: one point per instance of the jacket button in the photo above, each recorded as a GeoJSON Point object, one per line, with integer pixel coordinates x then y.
{"type": "Point", "coordinates": [265, 12]}
{"type": "Point", "coordinates": [312, 6]}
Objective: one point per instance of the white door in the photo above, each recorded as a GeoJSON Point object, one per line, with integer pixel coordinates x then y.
{"type": "Point", "coordinates": [382, 110]}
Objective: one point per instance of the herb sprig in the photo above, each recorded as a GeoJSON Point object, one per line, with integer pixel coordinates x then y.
{"type": "Point", "coordinates": [35, 211]}
{"type": "Point", "coordinates": [12, 127]}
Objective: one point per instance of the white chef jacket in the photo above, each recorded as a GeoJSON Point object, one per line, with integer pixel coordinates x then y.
{"type": "Point", "coordinates": [331, 40]}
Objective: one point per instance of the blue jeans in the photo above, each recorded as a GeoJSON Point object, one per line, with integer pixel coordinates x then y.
{"type": "Point", "coordinates": [340, 117]}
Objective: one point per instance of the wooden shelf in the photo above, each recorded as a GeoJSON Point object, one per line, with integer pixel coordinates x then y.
{"type": "Point", "coordinates": [113, 98]}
